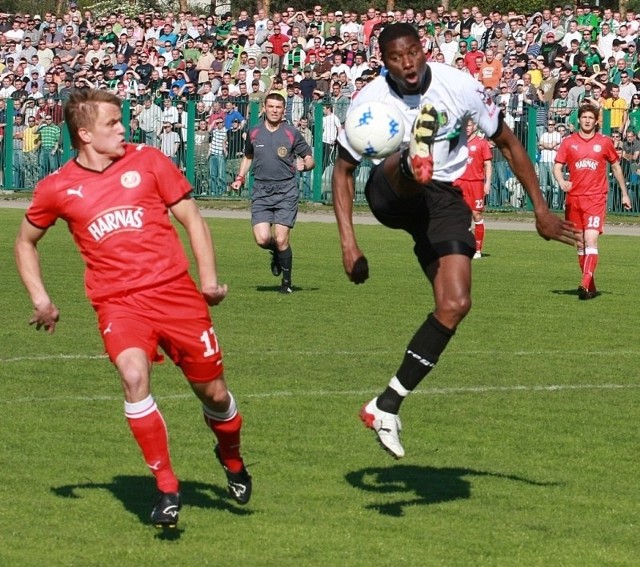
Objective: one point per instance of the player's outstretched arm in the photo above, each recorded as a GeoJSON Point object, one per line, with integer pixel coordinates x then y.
{"type": "Point", "coordinates": [548, 225]}
{"type": "Point", "coordinates": [188, 215]}
{"type": "Point", "coordinates": [343, 187]}
{"type": "Point", "coordinates": [45, 313]}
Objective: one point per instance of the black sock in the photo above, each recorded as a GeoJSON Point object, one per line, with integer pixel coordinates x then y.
{"type": "Point", "coordinates": [421, 356]}
{"type": "Point", "coordinates": [286, 262]}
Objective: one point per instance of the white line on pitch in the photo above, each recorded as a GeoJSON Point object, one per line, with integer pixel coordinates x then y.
{"type": "Point", "coordinates": [317, 394]}
{"type": "Point", "coordinates": [275, 352]}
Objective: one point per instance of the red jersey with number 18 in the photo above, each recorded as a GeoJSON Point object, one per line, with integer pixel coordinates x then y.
{"type": "Point", "coordinates": [587, 161]}
{"type": "Point", "coordinates": [119, 219]}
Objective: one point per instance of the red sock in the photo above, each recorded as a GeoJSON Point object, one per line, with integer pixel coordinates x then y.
{"type": "Point", "coordinates": [150, 432]}
{"type": "Point", "coordinates": [478, 232]}
{"type": "Point", "coordinates": [226, 428]}
{"type": "Point", "coordinates": [581, 260]}
{"type": "Point", "coordinates": [590, 263]}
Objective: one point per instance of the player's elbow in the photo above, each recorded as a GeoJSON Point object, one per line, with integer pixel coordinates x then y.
{"type": "Point", "coordinates": [343, 168]}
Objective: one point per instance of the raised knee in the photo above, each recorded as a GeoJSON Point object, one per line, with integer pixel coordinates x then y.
{"type": "Point", "coordinates": [214, 395]}
{"type": "Point", "coordinates": [133, 376]}
{"type": "Point", "coordinates": [262, 241]}
{"type": "Point", "coordinates": [219, 397]}
{"type": "Point", "coordinates": [282, 242]}
{"type": "Point", "coordinates": [452, 311]}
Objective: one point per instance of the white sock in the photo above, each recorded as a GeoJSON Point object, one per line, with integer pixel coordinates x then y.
{"type": "Point", "coordinates": [224, 415]}
{"type": "Point", "coordinates": [394, 384]}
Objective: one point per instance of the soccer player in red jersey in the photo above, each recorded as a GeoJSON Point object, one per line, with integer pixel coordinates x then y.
{"type": "Point", "coordinates": [475, 182]}
{"type": "Point", "coordinates": [586, 154]}
{"type": "Point", "coordinates": [116, 198]}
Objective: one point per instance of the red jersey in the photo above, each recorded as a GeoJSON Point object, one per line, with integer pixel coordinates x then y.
{"type": "Point", "coordinates": [479, 152]}
{"type": "Point", "coordinates": [587, 162]}
{"type": "Point", "coordinates": [119, 219]}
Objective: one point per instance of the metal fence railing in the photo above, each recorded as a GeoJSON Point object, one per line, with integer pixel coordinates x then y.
{"type": "Point", "coordinates": [23, 162]}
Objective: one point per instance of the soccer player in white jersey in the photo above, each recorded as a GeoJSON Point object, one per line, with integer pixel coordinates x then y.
{"type": "Point", "coordinates": [413, 190]}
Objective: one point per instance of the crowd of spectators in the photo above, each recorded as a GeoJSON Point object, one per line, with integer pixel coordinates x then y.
{"type": "Point", "coordinates": [548, 62]}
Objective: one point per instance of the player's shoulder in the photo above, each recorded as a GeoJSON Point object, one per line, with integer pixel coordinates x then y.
{"type": "Point", "coordinates": [445, 72]}
{"type": "Point", "coordinates": [54, 188]}
{"type": "Point", "coordinates": [134, 152]}
{"type": "Point", "coordinates": [51, 183]}
{"type": "Point", "coordinates": [60, 179]}
{"type": "Point", "coordinates": [600, 137]}
{"type": "Point", "coordinates": [288, 127]}
{"type": "Point", "coordinates": [378, 90]}
{"type": "Point", "coordinates": [484, 142]}
{"type": "Point", "coordinates": [457, 84]}
{"type": "Point", "coordinates": [259, 127]}
{"type": "Point", "coordinates": [140, 149]}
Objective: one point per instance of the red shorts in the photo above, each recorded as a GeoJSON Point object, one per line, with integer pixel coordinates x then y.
{"type": "Point", "coordinates": [473, 193]}
{"type": "Point", "coordinates": [173, 316]}
{"type": "Point", "coordinates": [587, 212]}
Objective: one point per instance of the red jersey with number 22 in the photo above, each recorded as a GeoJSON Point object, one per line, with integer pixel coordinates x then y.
{"type": "Point", "coordinates": [587, 161]}
{"type": "Point", "coordinates": [119, 219]}
{"type": "Point", "coordinates": [479, 152]}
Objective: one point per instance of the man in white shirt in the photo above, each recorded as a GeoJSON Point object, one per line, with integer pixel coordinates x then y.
{"type": "Point", "coordinates": [548, 146]}
{"type": "Point", "coordinates": [169, 112]}
{"type": "Point", "coordinates": [631, 22]}
{"type": "Point", "coordinates": [448, 47]}
{"type": "Point", "coordinates": [572, 33]}
{"type": "Point", "coordinates": [338, 66]}
{"type": "Point", "coordinates": [15, 33]}
{"type": "Point", "coordinates": [605, 41]}
{"type": "Point", "coordinates": [350, 24]}
{"type": "Point", "coordinates": [330, 129]}
{"type": "Point", "coordinates": [478, 27]}
{"type": "Point", "coordinates": [7, 88]}
{"type": "Point", "coordinates": [359, 67]}
{"type": "Point", "coordinates": [627, 88]}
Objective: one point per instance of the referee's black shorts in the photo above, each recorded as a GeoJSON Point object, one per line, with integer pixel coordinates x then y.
{"type": "Point", "coordinates": [437, 218]}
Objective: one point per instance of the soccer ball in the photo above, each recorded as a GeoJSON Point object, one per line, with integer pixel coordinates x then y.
{"type": "Point", "coordinates": [374, 129]}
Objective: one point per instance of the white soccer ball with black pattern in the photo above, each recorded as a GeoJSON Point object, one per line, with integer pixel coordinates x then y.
{"type": "Point", "coordinates": [374, 129]}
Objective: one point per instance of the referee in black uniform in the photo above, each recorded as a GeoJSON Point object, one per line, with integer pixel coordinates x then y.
{"type": "Point", "coordinates": [277, 151]}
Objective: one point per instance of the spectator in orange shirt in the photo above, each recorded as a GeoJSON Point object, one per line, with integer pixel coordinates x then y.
{"type": "Point", "coordinates": [490, 71]}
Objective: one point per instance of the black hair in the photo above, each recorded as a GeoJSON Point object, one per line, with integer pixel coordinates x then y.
{"type": "Point", "coordinates": [275, 96]}
{"type": "Point", "coordinates": [395, 31]}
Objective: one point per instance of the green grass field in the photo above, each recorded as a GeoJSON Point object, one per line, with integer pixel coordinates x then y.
{"type": "Point", "coordinates": [522, 446]}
